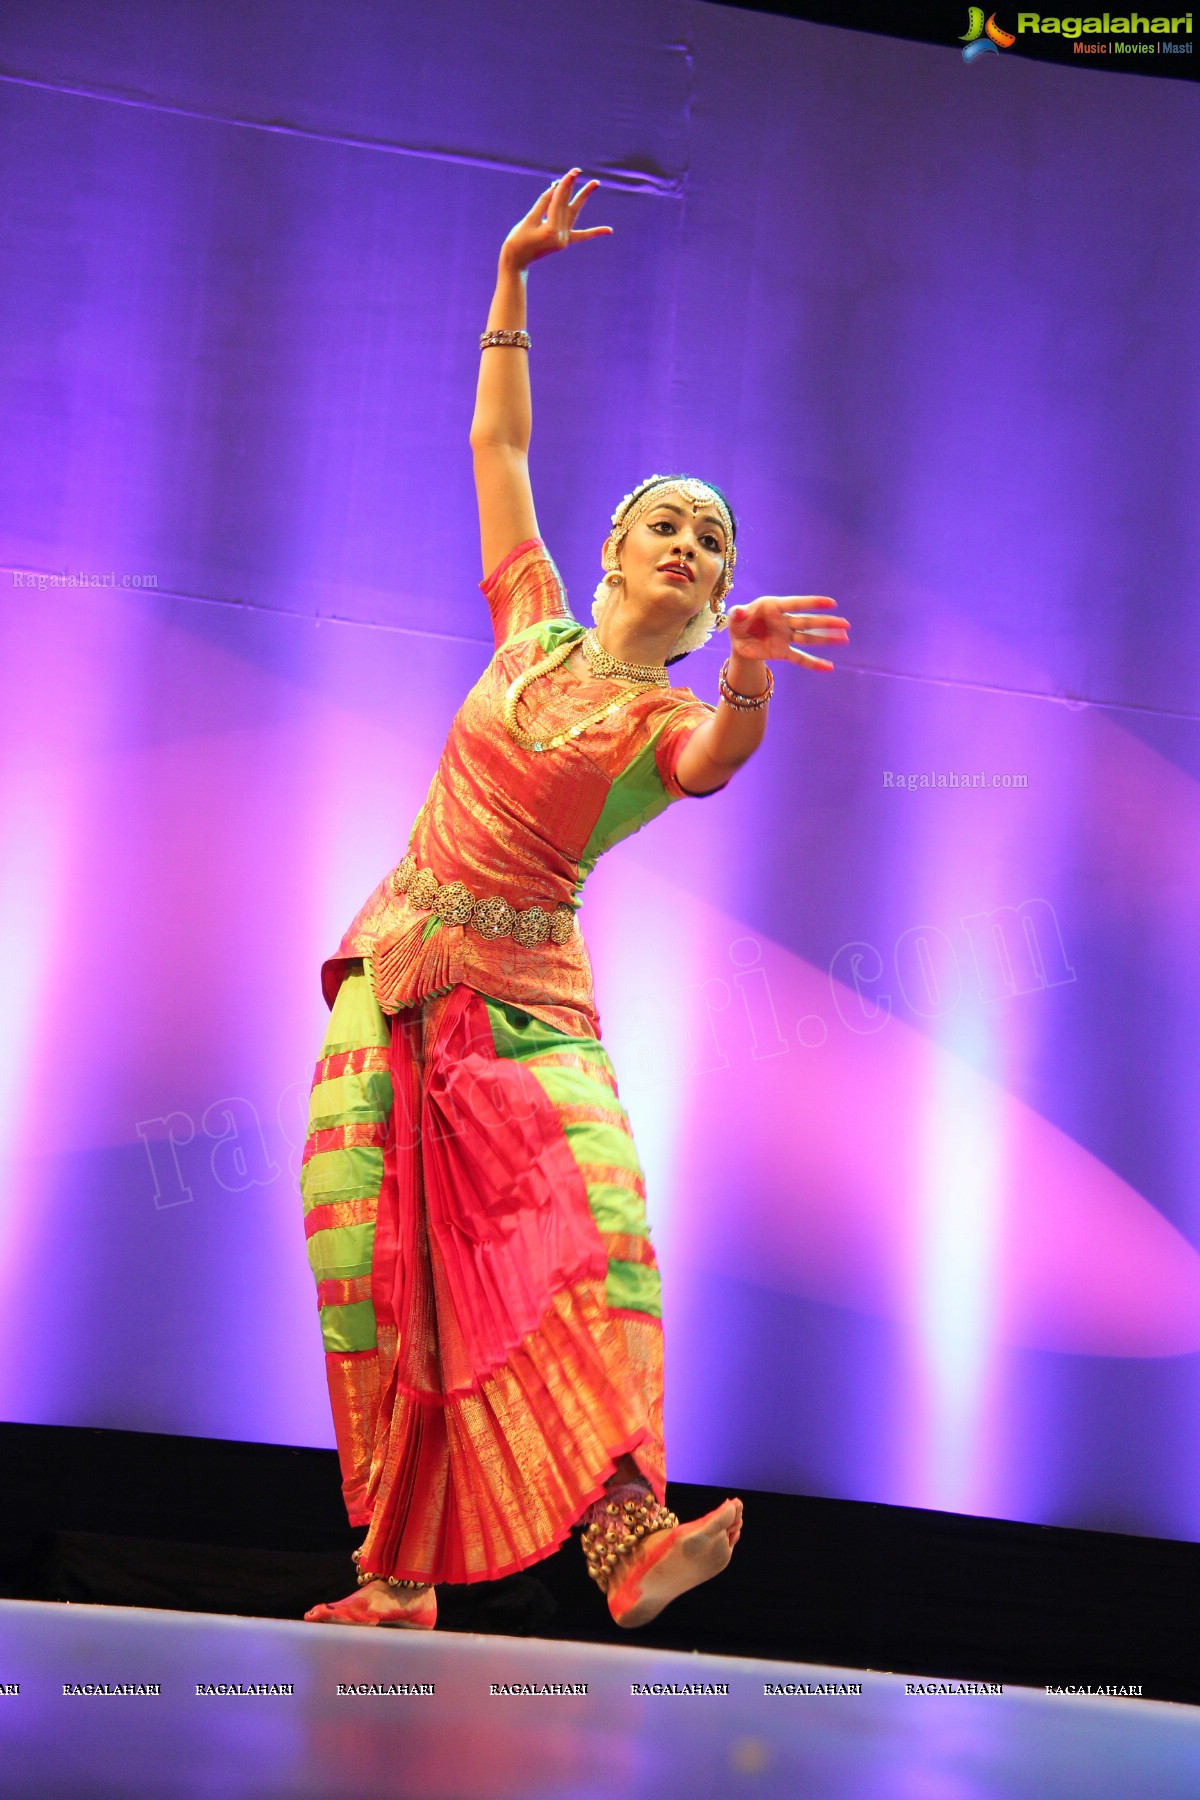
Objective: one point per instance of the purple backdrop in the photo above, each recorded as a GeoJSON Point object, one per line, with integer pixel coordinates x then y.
{"type": "Point", "coordinates": [923, 1174]}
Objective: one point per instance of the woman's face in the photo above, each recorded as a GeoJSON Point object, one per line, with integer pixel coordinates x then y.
{"type": "Point", "coordinates": [672, 557]}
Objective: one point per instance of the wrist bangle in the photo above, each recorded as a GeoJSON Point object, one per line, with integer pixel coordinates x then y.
{"type": "Point", "coordinates": [520, 340]}
{"type": "Point", "coordinates": [744, 702]}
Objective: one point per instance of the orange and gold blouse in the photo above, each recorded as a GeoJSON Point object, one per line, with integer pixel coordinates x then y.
{"type": "Point", "coordinates": [523, 825]}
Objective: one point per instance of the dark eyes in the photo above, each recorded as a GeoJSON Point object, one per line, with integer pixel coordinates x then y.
{"type": "Point", "coordinates": [708, 540]}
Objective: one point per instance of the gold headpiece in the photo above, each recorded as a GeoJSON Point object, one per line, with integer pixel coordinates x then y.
{"type": "Point", "coordinates": [697, 494]}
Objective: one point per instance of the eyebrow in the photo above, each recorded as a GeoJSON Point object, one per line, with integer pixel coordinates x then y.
{"type": "Point", "coordinates": [705, 518]}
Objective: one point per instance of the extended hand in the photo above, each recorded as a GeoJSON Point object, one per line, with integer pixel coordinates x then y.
{"type": "Point", "coordinates": [549, 224]}
{"type": "Point", "coordinates": [771, 629]}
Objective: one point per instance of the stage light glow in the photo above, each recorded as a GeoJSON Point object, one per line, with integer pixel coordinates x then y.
{"type": "Point", "coordinates": [31, 829]}
{"type": "Point", "coordinates": [641, 1017]}
{"type": "Point", "coordinates": [957, 1199]}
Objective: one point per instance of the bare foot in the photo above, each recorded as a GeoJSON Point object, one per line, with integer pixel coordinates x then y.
{"type": "Point", "coordinates": [375, 1603]}
{"type": "Point", "coordinates": [668, 1563]}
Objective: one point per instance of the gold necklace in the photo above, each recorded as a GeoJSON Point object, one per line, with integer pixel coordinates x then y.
{"type": "Point", "coordinates": [526, 739]}
{"type": "Point", "coordinates": [649, 674]}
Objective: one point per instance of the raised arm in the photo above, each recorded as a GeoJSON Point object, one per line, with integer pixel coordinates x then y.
{"type": "Point", "coordinates": [503, 421]}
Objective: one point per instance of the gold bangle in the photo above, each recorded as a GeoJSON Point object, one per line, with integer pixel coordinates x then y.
{"type": "Point", "coordinates": [744, 702]}
{"type": "Point", "coordinates": [520, 340]}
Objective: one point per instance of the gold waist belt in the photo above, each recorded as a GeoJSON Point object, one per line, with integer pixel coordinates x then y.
{"type": "Point", "coordinates": [491, 916]}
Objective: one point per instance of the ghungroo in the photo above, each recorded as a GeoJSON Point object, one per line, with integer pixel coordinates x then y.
{"type": "Point", "coordinates": [623, 1525]}
{"type": "Point", "coordinates": [397, 1581]}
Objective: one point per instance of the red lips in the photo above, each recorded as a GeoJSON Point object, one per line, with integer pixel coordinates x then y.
{"type": "Point", "coordinates": [676, 568]}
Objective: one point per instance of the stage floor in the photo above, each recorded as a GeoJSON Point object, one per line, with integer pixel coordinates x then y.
{"type": "Point", "coordinates": [463, 1740]}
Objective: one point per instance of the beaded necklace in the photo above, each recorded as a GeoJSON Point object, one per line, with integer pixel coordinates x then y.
{"type": "Point", "coordinates": [642, 675]}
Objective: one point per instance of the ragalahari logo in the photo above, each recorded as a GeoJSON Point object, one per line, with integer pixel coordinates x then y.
{"type": "Point", "coordinates": [980, 38]}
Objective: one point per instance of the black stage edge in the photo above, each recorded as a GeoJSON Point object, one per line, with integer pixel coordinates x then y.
{"type": "Point", "coordinates": [133, 1518]}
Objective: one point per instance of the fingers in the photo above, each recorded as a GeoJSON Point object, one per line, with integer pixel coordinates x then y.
{"type": "Point", "coordinates": [791, 654]}
{"type": "Point", "coordinates": [811, 620]}
{"type": "Point", "coordinates": [786, 605]}
{"type": "Point", "coordinates": [555, 211]}
{"type": "Point", "coordinates": [585, 193]}
{"type": "Point", "coordinates": [580, 236]}
{"type": "Point", "coordinates": [587, 189]}
{"type": "Point", "coordinates": [560, 194]}
{"type": "Point", "coordinates": [537, 211]}
{"type": "Point", "coordinates": [797, 599]}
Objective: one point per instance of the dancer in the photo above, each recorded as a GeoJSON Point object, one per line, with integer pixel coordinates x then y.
{"type": "Point", "coordinates": [474, 1204]}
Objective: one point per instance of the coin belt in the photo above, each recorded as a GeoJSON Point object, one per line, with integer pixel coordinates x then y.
{"type": "Point", "coordinates": [491, 916]}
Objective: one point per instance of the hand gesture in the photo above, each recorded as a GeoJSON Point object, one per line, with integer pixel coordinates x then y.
{"type": "Point", "coordinates": [549, 224]}
{"type": "Point", "coordinates": [771, 629]}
